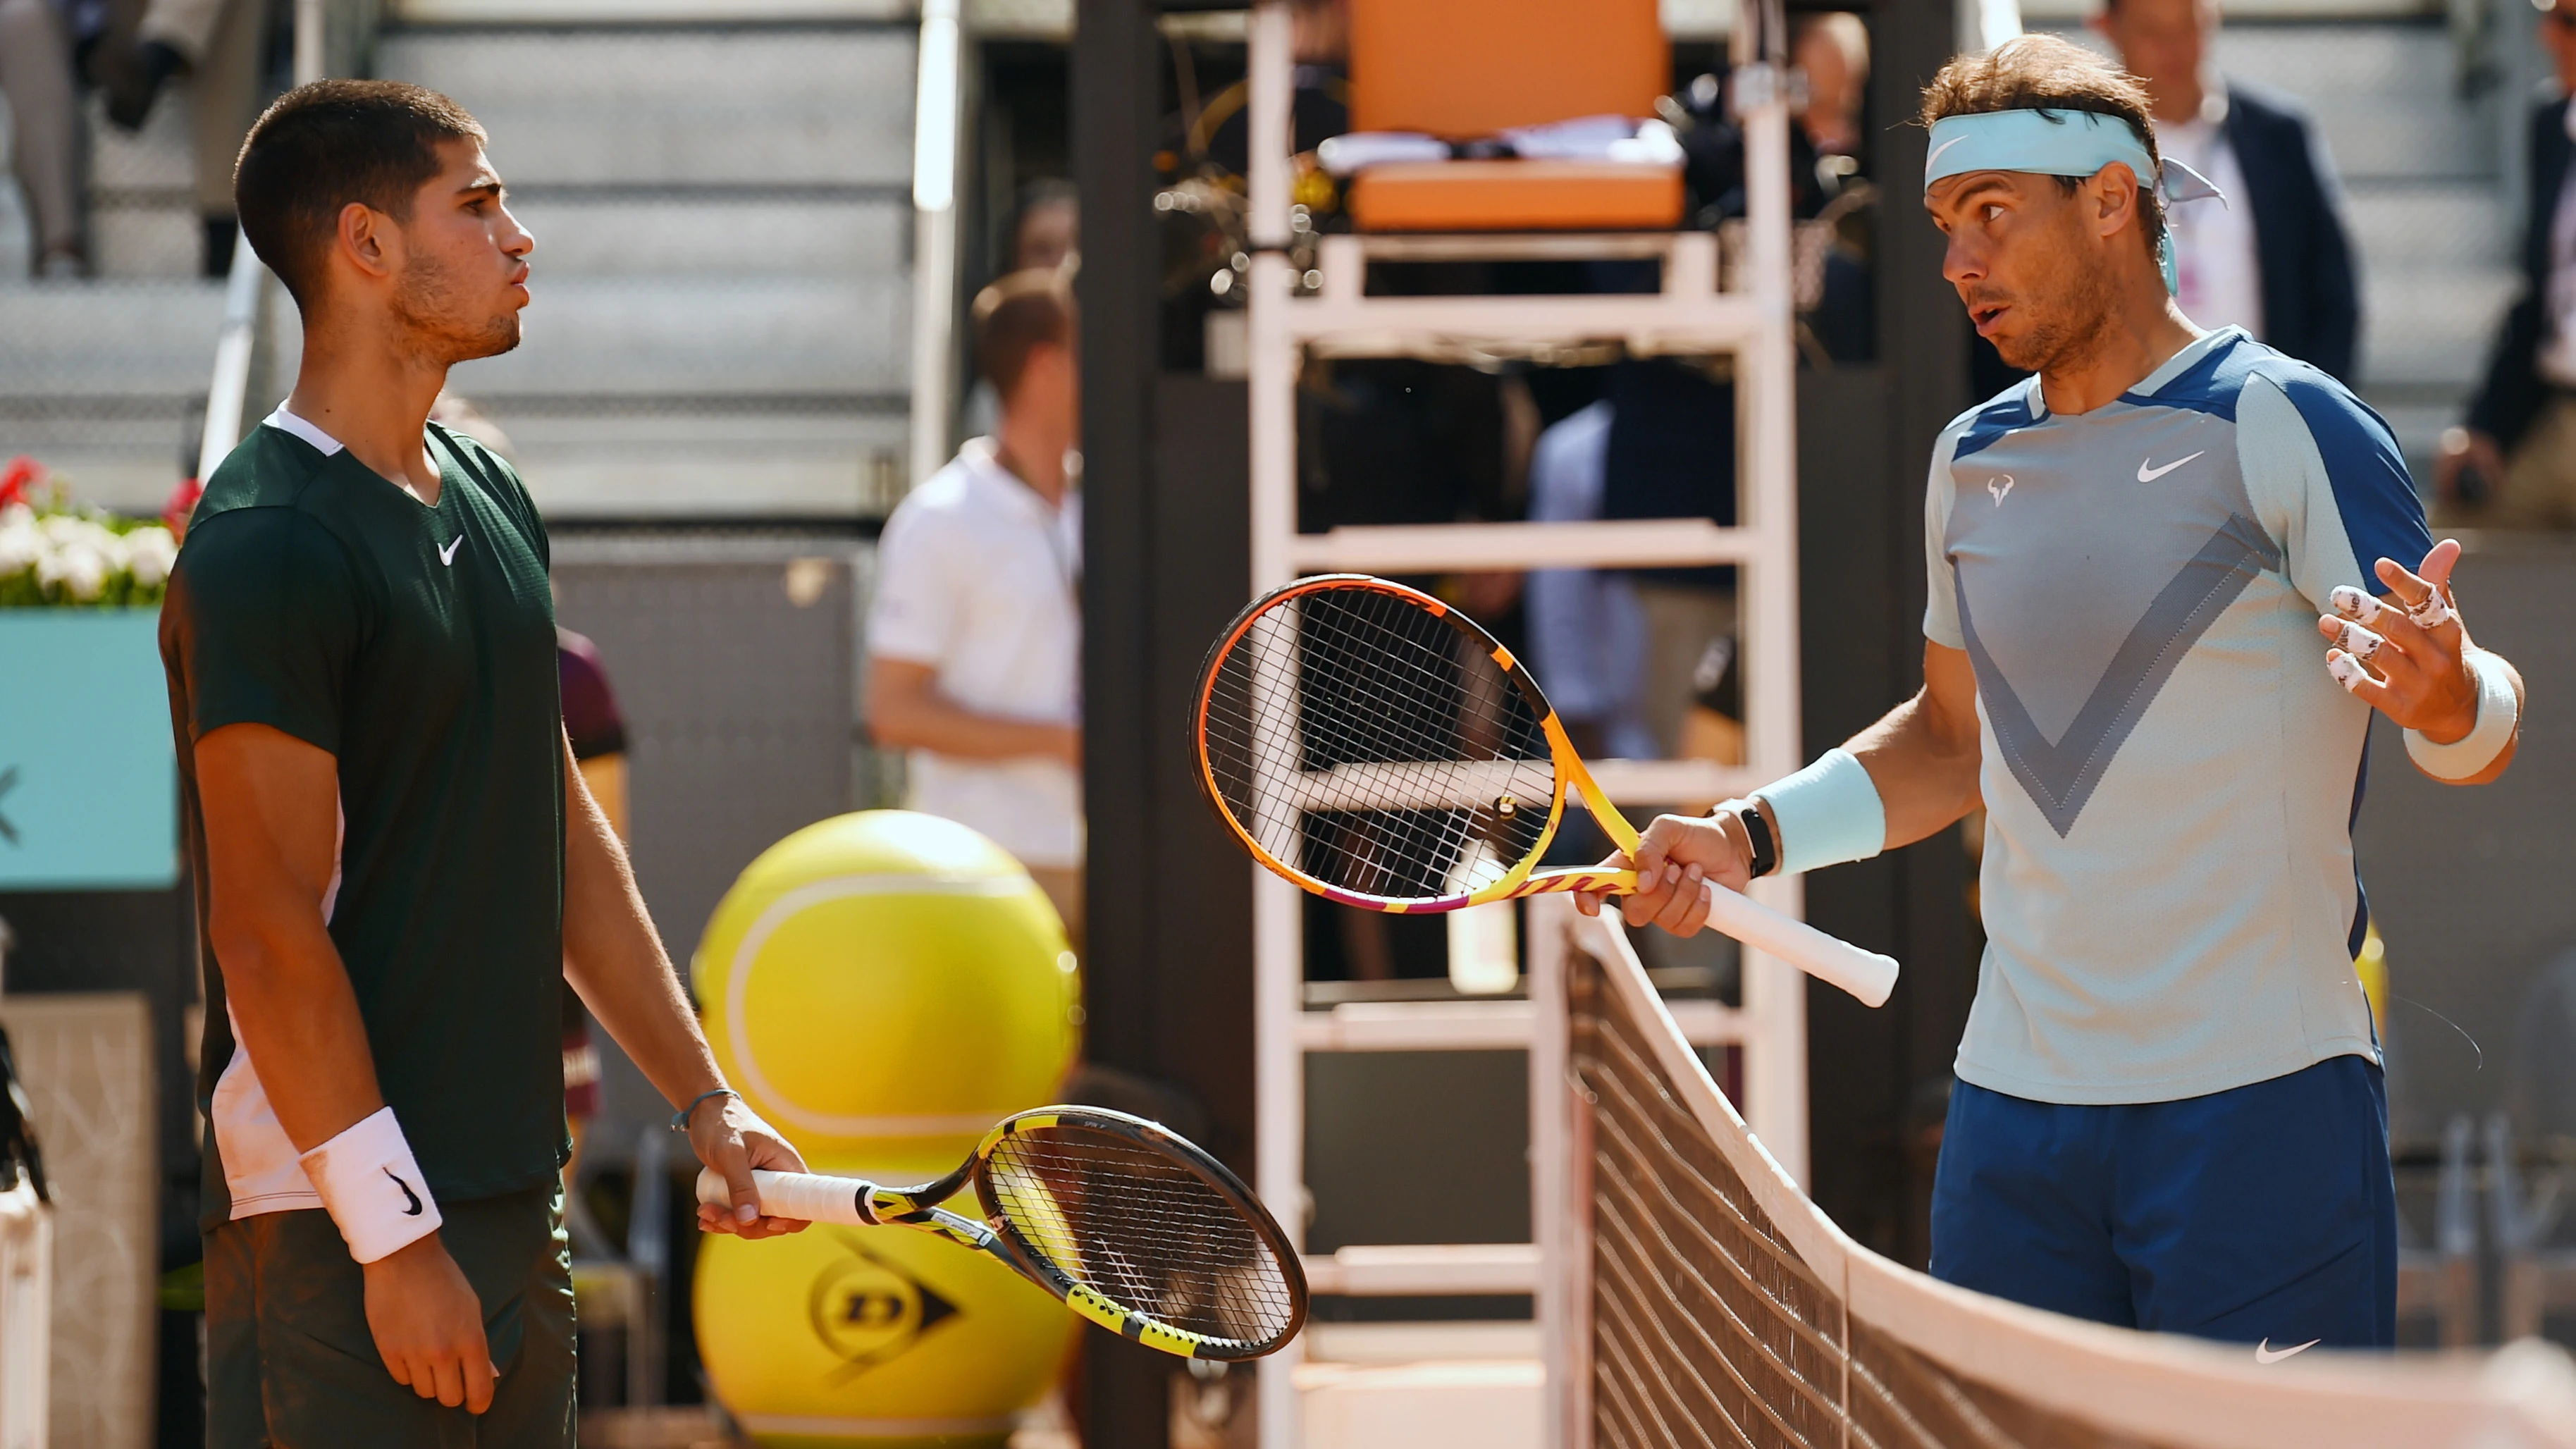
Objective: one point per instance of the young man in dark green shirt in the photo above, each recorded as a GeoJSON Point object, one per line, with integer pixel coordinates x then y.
{"type": "Point", "coordinates": [397, 864]}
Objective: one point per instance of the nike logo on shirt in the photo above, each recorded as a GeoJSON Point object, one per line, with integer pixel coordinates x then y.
{"type": "Point", "coordinates": [2264, 1352]}
{"type": "Point", "coordinates": [413, 1211]}
{"type": "Point", "coordinates": [447, 555]}
{"type": "Point", "coordinates": [2149, 475]}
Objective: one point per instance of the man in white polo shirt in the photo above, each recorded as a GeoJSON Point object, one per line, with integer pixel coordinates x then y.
{"type": "Point", "coordinates": [976, 632]}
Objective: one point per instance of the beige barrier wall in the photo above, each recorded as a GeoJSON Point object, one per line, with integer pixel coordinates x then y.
{"type": "Point", "coordinates": [86, 1062]}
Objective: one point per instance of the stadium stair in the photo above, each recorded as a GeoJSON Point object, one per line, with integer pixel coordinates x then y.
{"type": "Point", "coordinates": [722, 274]}
{"type": "Point", "coordinates": [2429, 192]}
{"type": "Point", "coordinates": [104, 379]}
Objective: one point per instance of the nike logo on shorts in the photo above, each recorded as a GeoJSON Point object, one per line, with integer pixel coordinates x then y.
{"type": "Point", "coordinates": [447, 555]}
{"type": "Point", "coordinates": [413, 1211]}
{"type": "Point", "coordinates": [2149, 475]}
{"type": "Point", "coordinates": [2264, 1352]}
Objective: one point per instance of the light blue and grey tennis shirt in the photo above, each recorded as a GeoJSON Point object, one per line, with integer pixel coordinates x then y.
{"type": "Point", "coordinates": [2170, 775]}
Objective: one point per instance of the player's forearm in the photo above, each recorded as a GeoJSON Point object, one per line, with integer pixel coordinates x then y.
{"type": "Point", "coordinates": [1923, 754]}
{"type": "Point", "coordinates": [614, 957]}
{"type": "Point", "coordinates": [930, 721]}
{"type": "Point", "coordinates": [298, 1016]}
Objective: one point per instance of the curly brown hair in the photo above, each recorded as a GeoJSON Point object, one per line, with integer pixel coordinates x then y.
{"type": "Point", "coordinates": [2044, 73]}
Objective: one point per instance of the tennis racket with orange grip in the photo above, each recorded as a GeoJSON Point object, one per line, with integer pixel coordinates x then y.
{"type": "Point", "coordinates": [1381, 750]}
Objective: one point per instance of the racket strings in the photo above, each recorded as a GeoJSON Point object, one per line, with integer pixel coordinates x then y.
{"type": "Point", "coordinates": [1370, 745]}
{"type": "Point", "coordinates": [1143, 1230]}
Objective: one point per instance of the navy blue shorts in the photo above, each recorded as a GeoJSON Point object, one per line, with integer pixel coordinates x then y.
{"type": "Point", "coordinates": [2265, 1214]}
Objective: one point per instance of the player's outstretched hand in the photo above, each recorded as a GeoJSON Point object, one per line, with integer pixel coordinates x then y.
{"type": "Point", "coordinates": [428, 1325]}
{"type": "Point", "coordinates": [733, 1142]}
{"type": "Point", "coordinates": [1676, 855]}
{"type": "Point", "coordinates": [2406, 653]}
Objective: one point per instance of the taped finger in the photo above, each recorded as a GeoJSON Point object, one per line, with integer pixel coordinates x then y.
{"type": "Point", "coordinates": [2347, 671]}
{"type": "Point", "coordinates": [2359, 642]}
{"type": "Point", "coordinates": [2433, 613]}
{"type": "Point", "coordinates": [2354, 604]}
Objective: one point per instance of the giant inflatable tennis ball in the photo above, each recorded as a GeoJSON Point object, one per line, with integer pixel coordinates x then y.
{"type": "Point", "coordinates": [885, 1337]}
{"type": "Point", "coordinates": [885, 986]}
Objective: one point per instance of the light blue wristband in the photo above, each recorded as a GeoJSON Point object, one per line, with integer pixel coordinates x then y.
{"type": "Point", "coordinates": [1826, 814]}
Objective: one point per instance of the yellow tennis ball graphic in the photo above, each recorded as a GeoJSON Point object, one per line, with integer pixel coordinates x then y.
{"type": "Point", "coordinates": [886, 1337]}
{"type": "Point", "coordinates": [885, 981]}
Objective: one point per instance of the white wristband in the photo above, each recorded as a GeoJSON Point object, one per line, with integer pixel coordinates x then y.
{"type": "Point", "coordinates": [1827, 813]}
{"type": "Point", "coordinates": [2498, 713]}
{"type": "Point", "coordinates": [372, 1187]}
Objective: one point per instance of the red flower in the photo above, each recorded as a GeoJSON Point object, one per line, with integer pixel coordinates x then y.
{"type": "Point", "coordinates": [21, 476]}
{"type": "Point", "coordinates": [183, 503]}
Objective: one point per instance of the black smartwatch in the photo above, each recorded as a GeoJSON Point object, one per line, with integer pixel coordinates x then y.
{"type": "Point", "coordinates": [1757, 833]}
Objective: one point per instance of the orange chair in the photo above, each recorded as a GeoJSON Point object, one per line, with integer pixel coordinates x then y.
{"type": "Point", "coordinates": [1465, 69]}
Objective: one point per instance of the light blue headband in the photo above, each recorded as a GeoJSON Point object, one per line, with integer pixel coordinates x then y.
{"type": "Point", "coordinates": [2059, 143]}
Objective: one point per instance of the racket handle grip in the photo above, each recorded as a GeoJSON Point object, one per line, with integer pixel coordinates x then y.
{"type": "Point", "coordinates": [802, 1195]}
{"type": "Point", "coordinates": [1867, 975]}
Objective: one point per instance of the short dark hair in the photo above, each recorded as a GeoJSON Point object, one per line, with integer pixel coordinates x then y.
{"type": "Point", "coordinates": [2044, 73]}
{"type": "Point", "coordinates": [324, 145]}
{"type": "Point", "coordinates": [1014, 317]}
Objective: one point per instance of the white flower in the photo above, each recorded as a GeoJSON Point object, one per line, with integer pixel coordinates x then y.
{"type": "Point", "coordinates": [77, 570]}
{"type": "Point", "coordinates": [149, 552]}
{"type": "Point", "coordinates": [20, 544]}
{"type": "Point", "coordinates": [17, 515]}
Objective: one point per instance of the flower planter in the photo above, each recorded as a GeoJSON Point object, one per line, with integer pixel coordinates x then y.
{"type": "Point", "coordinates": [89, 786]}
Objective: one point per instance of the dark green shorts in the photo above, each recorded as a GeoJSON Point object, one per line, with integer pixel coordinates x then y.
{"type": "Point", "coordinates": [290, 1362]}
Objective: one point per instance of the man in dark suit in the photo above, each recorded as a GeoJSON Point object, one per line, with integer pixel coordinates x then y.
{"type": "Point", "coordinates": [2274, 259]}
{"type": "Point", "coordinates": [2513, 465]}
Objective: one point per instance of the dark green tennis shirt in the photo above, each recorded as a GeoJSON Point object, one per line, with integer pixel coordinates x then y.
{"type": "Point", "coordinates": [417, 645]}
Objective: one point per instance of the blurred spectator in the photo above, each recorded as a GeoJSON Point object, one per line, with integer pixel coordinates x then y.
{"type": "Point", "coordinates": [2274, 259]}
{"type": "Point", "coordinates": [1048, 231]}
{"type": "Point", "coordinates": [216, 45]}
{"type": "Point", "coordinates": [1587, 634]}
{"type": "Point", "coordinates": [2514, 464]}
{"type": "Point", "coordinates": [1833, 52]}
{"type": "Point", "coordinates": [36, 39]}
{"type": "Point", "coordinates": [976, 630]}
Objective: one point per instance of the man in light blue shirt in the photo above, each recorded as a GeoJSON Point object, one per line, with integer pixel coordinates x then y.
{"type": "Point", "coordinates": [2171, 577]}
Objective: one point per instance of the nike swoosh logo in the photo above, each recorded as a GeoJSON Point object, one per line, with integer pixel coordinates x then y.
{"type": "Point", "coordinates": [2149, 475]}
{"type": "Point", "coordinates": [1937, 150]}
{"type": "Point", "coordinates": [414, 1210]}
{"type": "Point", "coordinates": [447, 555]}
{"type": "Point", "coordinates": [2264, 1352]}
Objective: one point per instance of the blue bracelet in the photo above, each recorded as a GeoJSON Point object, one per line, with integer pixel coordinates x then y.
{"type": "Point", "coordinates": [680, 1119]}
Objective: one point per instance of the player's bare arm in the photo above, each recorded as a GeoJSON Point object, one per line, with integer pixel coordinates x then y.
{"type": "Point", "coordinates": [1922, 756]}
{"type": "Point", "coordinates": [614, 958]}
{"type": "Point", "coordinates": [2420, 674]}
{"type": "Point", "coordinates": [271, 821]}
{"type": "Point", "coordinates": [907, 711]}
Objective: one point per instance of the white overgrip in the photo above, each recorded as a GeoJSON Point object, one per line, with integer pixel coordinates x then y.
{"type": "Point", "coordinates": [804, 1196]}
{"type": "Point", "coordinates": [1867, 975]}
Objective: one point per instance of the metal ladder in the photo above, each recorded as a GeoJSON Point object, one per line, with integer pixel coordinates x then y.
{"type": "Point", "coordinates": [1691, 315]}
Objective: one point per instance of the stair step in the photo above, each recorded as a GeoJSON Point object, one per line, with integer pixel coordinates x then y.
{"type": "Point", "coordinates": [2430, 327]}
{"type": "Point", "coordinates": [717, 106]}
{"type": "Point", "coordinates": [2448, 224]}
{"type": "Point", "coordinates": [107, 338]}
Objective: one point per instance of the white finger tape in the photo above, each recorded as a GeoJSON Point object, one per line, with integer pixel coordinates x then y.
{"type": "Point", "coordinates": [2347, 671]}
{"type": "Point", "coordinates": [372, 1188]}
{"type": "Point", "coordinates": [2433, 613]}
{"type": "Point", "coordinates": [2353, 604]}
{"type": "Point", "coordinates": [2498, 712]}
{"type": "Point", "coordinates": [2360, 643]}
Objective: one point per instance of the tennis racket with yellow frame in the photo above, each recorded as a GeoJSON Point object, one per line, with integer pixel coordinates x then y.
{"type": "Point", "coordinates": [1134, 1227]}
{"type": "Point", "coordinates": [1381, 750]}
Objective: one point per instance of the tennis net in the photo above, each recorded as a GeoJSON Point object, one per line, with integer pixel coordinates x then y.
{"type": "Point", "coordinates": [1703, 1300]}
